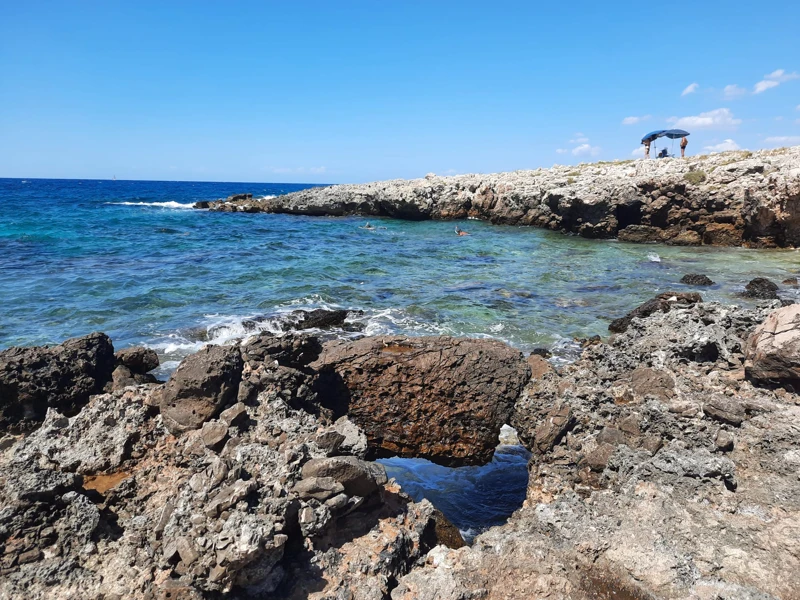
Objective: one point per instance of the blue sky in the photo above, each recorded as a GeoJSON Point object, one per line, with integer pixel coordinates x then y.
{"type": "Point", "coordinates": [359, 91]}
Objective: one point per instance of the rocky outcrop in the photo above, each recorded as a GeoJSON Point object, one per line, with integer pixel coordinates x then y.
{"type": "Point", "coordinates": [661, 303]}
{"type": "Point", "coordinates": [696, 279]}
{"type": "Point", "coordinates": [61, 377]}
{"type": "Point", "coordinates": [772, 354]}
{"type": "Point", "coordinates": [262, 500]}
{"type": "Point", "coordinates": [728, 199]}
{"type": "Point", "coordinates": [440, 398]}
{"type": "Point", "coordinates": [202, 385]}
{"type": "Point", "coordinates": [656, 472]}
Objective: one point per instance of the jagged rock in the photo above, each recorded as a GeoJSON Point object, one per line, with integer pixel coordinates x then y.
{"type": "Point", "coordinates": [772, 353]}
{"type": "Point", "coordinates": [319, 318]}
{"type": "Point", "coordinates": [201, 386]}
{"type": "Point", "coordinates": [724, 409]}
{"type": "Point", "coordinates": [696, 279]}
{"type": "Point", "coordinates": [319, 488]}
{"type": "Point", "coordinates": [761, 288]}
{"type": "Point", "coordinates": [539, 366]}
{"type": "Point", "coordinates": [661, 303]}
{"type": "Point", "coordinates": [358, 477]}
{"type": "Point", "coordinates": [440, 398]}
{"type": "Point", "coordinates": [62, 377]}
{"type": "Point", "coordinates": [736, 198]}
{"type": "Point", "coordinates": [138, 359]}
{"type": "Point", "coordinates": [294, 350]}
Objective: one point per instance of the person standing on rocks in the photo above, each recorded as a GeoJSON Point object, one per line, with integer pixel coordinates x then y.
{"type": "Point", "coordinates": [684, 143]}
{"type": "Point", "coordinates": [646, 148]}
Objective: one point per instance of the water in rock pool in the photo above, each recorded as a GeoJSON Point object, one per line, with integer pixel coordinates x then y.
{"type": "Point", "coordinates": [134, 259]}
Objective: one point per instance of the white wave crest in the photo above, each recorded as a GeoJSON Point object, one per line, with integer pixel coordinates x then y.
{"type": "Point", "coordinates": [170, 204]}
{"type": "Point", "coordinates": [653, 257]}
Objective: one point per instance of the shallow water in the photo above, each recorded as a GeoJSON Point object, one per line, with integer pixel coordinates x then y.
{"type": "Point", "coordinates": [134, 260]}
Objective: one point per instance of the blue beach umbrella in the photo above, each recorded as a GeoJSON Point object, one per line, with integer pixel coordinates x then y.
{"type": "Point", "coordinates": [653, 135]}
{"type": "Point", "coordinates": [674, 134]}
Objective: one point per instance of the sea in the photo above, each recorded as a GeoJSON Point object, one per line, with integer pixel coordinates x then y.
{"type": "Point", "coordinates": [135, 260]}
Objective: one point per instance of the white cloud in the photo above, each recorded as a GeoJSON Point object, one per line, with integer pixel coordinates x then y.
{"type": "Point", "coordinates": [561, 150]}
{"type": "Point", "coordinates": [634, 120]}
{"type": "Point", "coordinates": [579, 139]}
{"type": "Point", "coordinates": [690, 89]}
{"type": "Point", "coordinates": [783, 140]}
{"type": "Point", "coordinates": [723, 146]}
{"type": "Point", "coordinates": [763, 86]}
{"type": "Point", "coordinates": [721, 118]}
{"type": "Point", "coordinates": [734, 91]}
{"type": "Point", "coordinates": [586, 150]}
{"type": "Point", "coordinates": [638, 152]}
{"type": "Point", "coordinates": [774, 79]}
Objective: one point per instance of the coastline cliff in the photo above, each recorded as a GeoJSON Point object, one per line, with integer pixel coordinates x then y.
{"type": "Point", "coordinates": [735, 198]}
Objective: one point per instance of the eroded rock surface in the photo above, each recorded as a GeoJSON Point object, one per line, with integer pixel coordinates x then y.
{"type": "Point", "coordinates": [772, 354]}
{"type": "Point", "coordinates": [727, 199]}
{"type": "Point", "coordinates": [61, 377]}
{"type": "Point", "coordinates": [440, 398]}
{"type": "Point", "coordinates": [259, 500]}
{"type": "Point", "coordinates": [655, 473]}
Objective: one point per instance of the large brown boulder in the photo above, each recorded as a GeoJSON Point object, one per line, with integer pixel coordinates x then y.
{"type": "Point", "coordinates": [440, 398]}
{"type": "Point", "coordinates": [772, 352]}
{"type": "Point", "coordinates": [61, 377]}
{"type": "Point", "coordinates": [202, 385]}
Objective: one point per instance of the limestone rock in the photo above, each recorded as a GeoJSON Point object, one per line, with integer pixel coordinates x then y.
{"type": "Point", "coordinates": [440, 398]}
{"type": "Point", "coordinates": [761, 288]}
{"type": "Point", "coordinates": [62, 377]}
{"type": "Point", "coordinates": [772, 353]}
{"type": "Point", "coordinates": [735, 198]}
{"type": "Point", "coordinates": [138, 359]}
{"type": "Point", "coordinates": [359, 478]}
{"type": "Point", "coordinates": [661, 303]}
{"type": "Point", "coordinates": [201, 386]}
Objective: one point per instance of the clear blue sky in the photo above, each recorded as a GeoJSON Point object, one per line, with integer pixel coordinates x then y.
{"type": "Point", "coordinates": [357, 91]}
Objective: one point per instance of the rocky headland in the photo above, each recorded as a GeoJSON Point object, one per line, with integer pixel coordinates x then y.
{"type": "Point", "coordinates": [664, 464]}
{"type": "Point", "coordinates": [736, 198]}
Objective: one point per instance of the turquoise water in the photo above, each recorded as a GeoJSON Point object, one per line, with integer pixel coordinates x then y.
{"type": "Point", "coordinates": [134, 259]}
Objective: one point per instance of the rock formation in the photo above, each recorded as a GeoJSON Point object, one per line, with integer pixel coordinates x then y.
{"type": "Point", "coordinates": [439, 398]}
{"type": "Point", "coordinates": [657, 471]}
{"type": "Point", "coordinates": [727, 199]}
{"type": "Point", "coordinates": [208, 496]}
{"type": "Point", "coordinates": [61, 377]}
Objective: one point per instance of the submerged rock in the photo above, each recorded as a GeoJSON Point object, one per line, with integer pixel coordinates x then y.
{"type": "Point", "coordinates": [62, 377]}
{"type": "Point", "coordinates": [696, 279]}
{"type": "Point", "coordinates": [439, 398]}
{"type": "Point", "coordinates": [761, 288]}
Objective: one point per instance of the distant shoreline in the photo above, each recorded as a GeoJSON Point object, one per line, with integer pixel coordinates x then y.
{"type": "Point", "coordinates": [737, 198]}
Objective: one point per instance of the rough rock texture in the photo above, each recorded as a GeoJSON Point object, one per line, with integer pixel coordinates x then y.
{"type": "Point", "coordinates": [696, 279]}
{"type": "Point", "coordinates": [657, 471]}
{"type": "Point", "coordinates": [138, 359]}
{"type": "Point", "coordinates": [201, 386]}
{"type": "Point", "coordinates": [264, 500]}
{"type": "Point", "coordinates": [61, 377]}
{"type": "Point", "coordinates": [440, 398]}
{"type": "Point", "coordinates": [746, 198]}
{"type": "Point", "coordinates": [761, 288]}
{"type": "Point", "coordinates": [772, 354]}
{"type": "Point", "coordinates": [661, 303]}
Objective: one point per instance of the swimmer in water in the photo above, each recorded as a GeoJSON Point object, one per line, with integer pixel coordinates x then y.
{"type": "Point", "coordinates": [460, 231]}
{"type": "Point", "coordinates": [367, 226]}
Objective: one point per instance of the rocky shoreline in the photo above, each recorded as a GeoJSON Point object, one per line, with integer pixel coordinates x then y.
{"type": "Point", "coordinates": [664, 465]}
{"type": "Point", "coordinates": [729, 199]}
